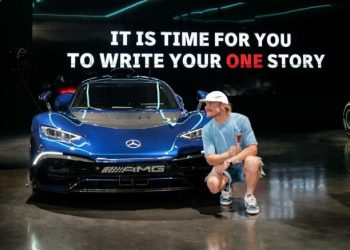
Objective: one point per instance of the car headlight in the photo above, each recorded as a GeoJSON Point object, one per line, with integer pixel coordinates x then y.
{"type": "Point", "coordinates": [192, 135]}
{"type": "Point", "coordinates": [58, 134]}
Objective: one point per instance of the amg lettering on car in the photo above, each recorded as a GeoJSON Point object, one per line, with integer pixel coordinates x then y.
{"type": "Point", "coordinates": [133, 169]}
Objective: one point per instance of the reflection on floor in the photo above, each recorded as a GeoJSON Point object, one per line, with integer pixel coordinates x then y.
{"type": "Point", "coordinates": [304, 200]}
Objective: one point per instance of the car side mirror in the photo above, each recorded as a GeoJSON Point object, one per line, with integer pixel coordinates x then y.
{"type": "Point", "coordinates": [45, 97]}
{"type": "Point", "coordinates": [201, 94]}
{"type": "Point", "coordinates": [62, 101]}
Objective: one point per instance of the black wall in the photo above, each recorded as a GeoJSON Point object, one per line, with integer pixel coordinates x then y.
{"type": "Point", "coordinates": [297, 98]}
{"type": "Point", "coordinates": [16, 104]}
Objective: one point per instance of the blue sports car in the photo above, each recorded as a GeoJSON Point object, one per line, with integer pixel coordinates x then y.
{"type": "Point", "coordinates": [117, 134]}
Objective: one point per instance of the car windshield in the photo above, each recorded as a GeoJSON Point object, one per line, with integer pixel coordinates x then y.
{"type": "Point", "coordinates": [125, 95]}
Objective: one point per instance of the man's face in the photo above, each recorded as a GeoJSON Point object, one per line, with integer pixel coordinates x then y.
{"type": "Point", "coordinates": [213, 108]}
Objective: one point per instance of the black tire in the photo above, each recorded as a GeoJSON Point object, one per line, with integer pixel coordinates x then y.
{"type": "Point", "coordinates": [37, 194]}
{"type": "Point", "coordinates": [346, 118]}
{"type": "Point", "coordinates": [41, 196]}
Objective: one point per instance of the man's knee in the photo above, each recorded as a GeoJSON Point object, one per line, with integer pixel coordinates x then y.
{"type": "Point", "coordinates": [213, 184]}
{"type": "Point", "coordinates": [252, 164]}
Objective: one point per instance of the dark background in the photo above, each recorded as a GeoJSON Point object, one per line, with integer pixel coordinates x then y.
{"type": "Point", "coordinates": [287, 98]}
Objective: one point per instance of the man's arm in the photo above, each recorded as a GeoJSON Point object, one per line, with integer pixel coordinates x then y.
{"type": "Point", "coordinates": [234, 155]}
{"type": "Point", "coordinates": [251, 150]}
{"type": "Point", "coordinates": [215, 159]}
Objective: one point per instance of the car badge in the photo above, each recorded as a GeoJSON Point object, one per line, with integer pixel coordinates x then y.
{"type": "Point", "coordinates": [133, 143]}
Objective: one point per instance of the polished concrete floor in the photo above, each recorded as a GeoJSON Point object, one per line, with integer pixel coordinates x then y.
{"type": "Point", "coordinates": [304, 200]}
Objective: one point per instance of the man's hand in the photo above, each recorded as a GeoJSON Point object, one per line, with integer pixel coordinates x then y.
{"type": "Point", "coordinates": [217, 159]}
{"type": "Point", "coordinates": [234, 150]}
{"type": "Point", "coordinates": [220, 168]}
{"type": "Point", "coordinates": [233, 160]}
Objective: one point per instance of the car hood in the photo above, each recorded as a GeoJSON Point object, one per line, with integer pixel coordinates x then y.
{"type": "Point", "coordinates": [127, 119]}
{"type": "Point", "coordinates": [155, 133]}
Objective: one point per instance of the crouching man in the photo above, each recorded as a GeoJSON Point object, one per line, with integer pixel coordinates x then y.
{"type": "Point", "coordinates": [230, 147]}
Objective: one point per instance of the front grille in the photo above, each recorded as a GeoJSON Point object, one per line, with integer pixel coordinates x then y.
{"type": "Point", "coordinates": [97, 177]}
{"type": "Point", "coordinates": [135, 183]}
{"type": "Point", "coordinates": [62, 172]}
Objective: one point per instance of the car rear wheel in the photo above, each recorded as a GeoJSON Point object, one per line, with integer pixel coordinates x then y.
{"type": "Point", "coordinates": [346, 118]}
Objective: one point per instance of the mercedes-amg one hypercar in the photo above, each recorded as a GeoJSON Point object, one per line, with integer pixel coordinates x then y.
{"type": "Point", "coordinates": [117, 133]}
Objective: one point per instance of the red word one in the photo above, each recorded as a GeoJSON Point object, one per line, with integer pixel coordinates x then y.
{"type": "Point", "coordinates": [242, 61]}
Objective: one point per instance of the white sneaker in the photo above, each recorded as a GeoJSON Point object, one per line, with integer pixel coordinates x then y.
{"type": "Point", "coordinates": [251, 204]}
{"type": "Point", "coordinates": [225, 198]}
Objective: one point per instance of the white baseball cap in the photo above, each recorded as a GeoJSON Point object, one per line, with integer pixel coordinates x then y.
{"type": "Point", "coordinates": [215, 96]}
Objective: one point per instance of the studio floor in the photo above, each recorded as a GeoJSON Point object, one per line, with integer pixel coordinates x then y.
{"type": "Point", "coordinates": [304, 202]}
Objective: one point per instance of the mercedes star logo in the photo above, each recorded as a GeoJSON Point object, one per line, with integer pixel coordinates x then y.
{"type": "Point", "coordinates": [133, 143]}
